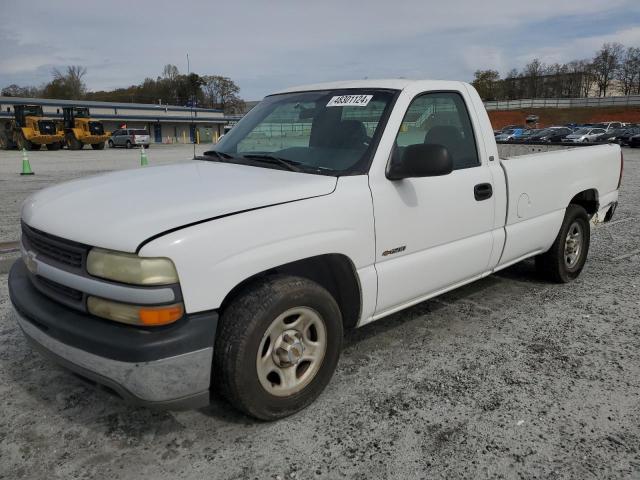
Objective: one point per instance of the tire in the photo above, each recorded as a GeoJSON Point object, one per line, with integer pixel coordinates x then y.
{"type": "Point", "coordinates": [34, 146]}
{"type": "Point", "coordinates": [146, 147]}
{"type": "Point", "coordinates": [98, 146]}
{"type": "Point", "coordinates": [111, 145]}
{"type": "Point", "coordinates": [246, 338]}
{"type": "Point", "coordinates": [128, 144]}
{"type": "Point", "coordinates": [54, 146]}
{"type": "Point", "coordinates": [72, 142]}
{"type": "Point", "coordinates": [555, 264]}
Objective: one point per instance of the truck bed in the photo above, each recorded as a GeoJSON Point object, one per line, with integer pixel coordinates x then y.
{"type": "Point", "coordinates": [511, 150]}
{"type": "Point", "coordinates": [542, 180]}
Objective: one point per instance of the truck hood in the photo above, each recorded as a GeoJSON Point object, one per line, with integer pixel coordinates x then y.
{"type": "Point", "coordinates": [121, 210]}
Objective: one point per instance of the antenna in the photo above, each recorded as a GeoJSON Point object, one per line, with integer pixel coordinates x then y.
{"type": "Point", "coordinates": [191, 109]}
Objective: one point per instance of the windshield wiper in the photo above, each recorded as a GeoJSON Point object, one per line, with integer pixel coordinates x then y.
{"type": "Point", "coordinates": [268, 158]}
{"type": "Point", "coordinates": [221, 155]}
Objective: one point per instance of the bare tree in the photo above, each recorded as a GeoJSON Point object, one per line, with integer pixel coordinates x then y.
{"type": "Point", "coordinates": [68, 84]}
{"type": "Point", "coordinates": [629, 72]}
{"type": "Point", "coordinates": [532, 74]}
{"type": "Point", "coordinates": [605, 65]}
{"type": "Point", "coordinates": [170, 72]}
{"type": "Point", "coordinates": [18, 91]}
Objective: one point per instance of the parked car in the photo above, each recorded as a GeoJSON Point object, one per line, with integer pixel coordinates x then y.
{"type": "Point", "coordinates": [509, 135]}
{"type": "Point", "coordinates": [507, 128]}
{"type": "Point", "coordinates": [608, 126]}
{"type": "Point", "coordinates": [551, 134]}
{"type": "Point", "coordinates": [612, 136]}
{"type": "Point", "coordinates": [625, 138]}
{"type": "Point", "coordinates": [584, 135]}
{"type": "Point", "coordinates": [527, 134]}
{"type": "Point", "coordinates": [238, 271]}
{"type": "Point", "coordinates": [129, 138]}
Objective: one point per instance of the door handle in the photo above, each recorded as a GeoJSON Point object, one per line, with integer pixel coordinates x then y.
{"type": "Point", "coordinates": [482, 191]}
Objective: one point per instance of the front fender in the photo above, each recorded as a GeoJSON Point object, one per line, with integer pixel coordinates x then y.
{"type": "Point", "coordinates": [213, 257]}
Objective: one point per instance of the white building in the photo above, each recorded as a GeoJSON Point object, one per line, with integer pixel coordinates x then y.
{"type": "Point", "coordinates": [165, 123]}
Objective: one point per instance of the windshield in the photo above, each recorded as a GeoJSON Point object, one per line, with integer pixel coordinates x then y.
{"type": "Point", "coordinates": [330, 131]}
{"type": "Point", "coordinates": [582, 131]}
{"type": "Point", "coordinates": [81, 112]}
{"type": "Point", "coordinates": [508, 132]}
{"type": "Point", "coordinates": [33, 111]}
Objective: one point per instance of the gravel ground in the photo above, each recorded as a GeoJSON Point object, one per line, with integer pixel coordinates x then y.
{"type": "Point", "coordinates": [64, 165]}
{"type": "Point", "coordinates": [509, 377]}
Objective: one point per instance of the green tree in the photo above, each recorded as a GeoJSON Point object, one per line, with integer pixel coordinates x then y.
{"type": "Point", "coordinates": [222, 92]}
{"type": "Point", "coordinates": [485, 82]}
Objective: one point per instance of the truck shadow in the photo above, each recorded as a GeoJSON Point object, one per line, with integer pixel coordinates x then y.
{"type": "Point", "coordinates": [519, 275]}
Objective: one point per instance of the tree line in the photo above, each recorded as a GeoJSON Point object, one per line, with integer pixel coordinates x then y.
{"type": "Point", "coordinates": [170, 88]}
{"type": "Point", "coordinates": [613, 69]}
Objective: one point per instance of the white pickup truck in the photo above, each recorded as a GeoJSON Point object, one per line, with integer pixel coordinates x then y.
{"type": "Point", "coordinates": [325, 208]}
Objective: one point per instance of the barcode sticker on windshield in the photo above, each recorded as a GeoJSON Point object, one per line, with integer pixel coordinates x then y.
{"type": "Point", "coordinates": [350, 101]}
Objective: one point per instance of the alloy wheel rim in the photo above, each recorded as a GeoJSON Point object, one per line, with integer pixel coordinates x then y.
{"type": "Point", "coordinates": [291, 351]}
{"type": "Point", "coordinates": [573, 245]}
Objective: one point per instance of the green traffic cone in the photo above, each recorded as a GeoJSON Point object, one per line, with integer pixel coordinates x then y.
{"type": "Point", "coordinates": [26, 166]}
{"type": "Point", "coordinates": [143, 157]}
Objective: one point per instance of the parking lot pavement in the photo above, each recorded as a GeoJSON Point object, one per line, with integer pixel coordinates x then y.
{"type": "Point", "coordinates": [509, 377]}
{"type": "Point", "coordinates": [63, 165]}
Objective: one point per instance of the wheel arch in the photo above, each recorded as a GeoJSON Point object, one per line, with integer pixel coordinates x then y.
{"type": "Point", "coordinates": [587, 199]}
{"type": "Point", "coordinates": [335, 272]}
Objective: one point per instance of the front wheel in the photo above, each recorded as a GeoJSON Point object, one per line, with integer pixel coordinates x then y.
{"type": "Point", "coordinates": [54, 146]}
{"type": "Point", "coordinates": [566, 258]}
{"type": "Point", "coordinates": [277, 346]}
{"type": "Point", "coordinates": [111, 145]}
{"type": "Point", "coordinates": [128, 144]}
{"type": "Point", "coordinates": [98, 146]}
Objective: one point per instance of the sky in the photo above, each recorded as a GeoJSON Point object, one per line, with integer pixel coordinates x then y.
{"type": "Point", "coordinates": [265, 46]}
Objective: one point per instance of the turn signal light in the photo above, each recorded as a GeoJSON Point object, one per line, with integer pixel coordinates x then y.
{"type": "Point", "coordinates": [145, 316]}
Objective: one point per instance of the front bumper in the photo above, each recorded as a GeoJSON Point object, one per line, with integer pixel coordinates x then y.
{"type": "Point", "coordinates": [168, 367]}
{"type": "Point", "coordinates": [45, 139]}
{"type": "Point", "coordinates": [92, 139]}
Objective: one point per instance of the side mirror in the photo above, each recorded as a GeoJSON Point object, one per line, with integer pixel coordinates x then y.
{"type": "Point", "coordinates": [420, 160]}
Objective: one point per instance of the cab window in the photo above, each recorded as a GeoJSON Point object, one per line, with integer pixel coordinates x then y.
{"type": "Point", "coordinates": [440, 118]}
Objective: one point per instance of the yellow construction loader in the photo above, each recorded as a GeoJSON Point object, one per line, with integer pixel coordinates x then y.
{"type": "Point", "coordinates": [80, 129]}
{"type": "Point", "coordinates": [29, 129]}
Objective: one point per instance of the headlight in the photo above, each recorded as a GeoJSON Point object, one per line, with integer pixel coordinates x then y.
{"type": "Point", "coordinates": [130, 268]}
{"type": "Point", "coordinates": [135, 314]}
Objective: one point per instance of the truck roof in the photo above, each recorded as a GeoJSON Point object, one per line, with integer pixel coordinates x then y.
{"type": "Point", "coordinates": [390, 83]}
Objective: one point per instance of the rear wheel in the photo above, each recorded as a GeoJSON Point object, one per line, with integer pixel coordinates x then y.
{"type": "Point", "coordinates": [111, 145]}
{"type": "Point", "coordinates": [566, 258]}
{"type": "Point", "coordinates": [277, 346]}
{"type": "Point", "coordinates": [98, 146]}
{"type": "Point", "coordinates": [128, 144]}
{"type": "Point", "coordinates": [147, 147]}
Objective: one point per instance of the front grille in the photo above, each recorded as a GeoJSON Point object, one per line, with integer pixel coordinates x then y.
{"type": "Point", "coordinates": [59, 250]}
{"type": "Point", "coordinates": [46, 127]}
{"type": "Point", "coordinates": [58, 290]}
{"type": "Point", "coordinates": [96, 128]}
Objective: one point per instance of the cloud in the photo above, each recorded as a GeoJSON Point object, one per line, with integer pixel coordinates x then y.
{"type": "Point", "coordinates": [270, 45]}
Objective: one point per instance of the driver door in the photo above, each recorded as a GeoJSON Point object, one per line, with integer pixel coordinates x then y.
{"type": "Point", "coordinates": [433, 232]}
